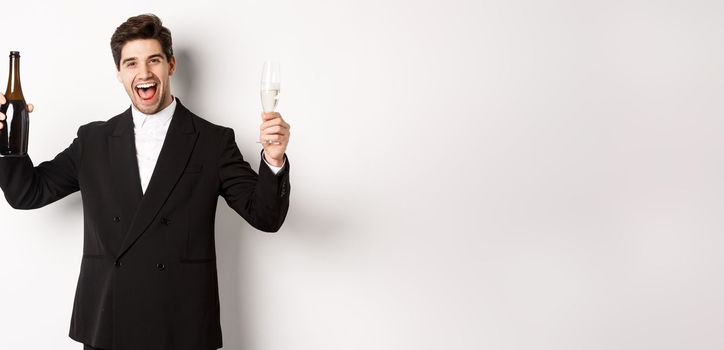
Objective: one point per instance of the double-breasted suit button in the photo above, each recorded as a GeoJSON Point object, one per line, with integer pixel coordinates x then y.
{"type": "Point", "coordinates": [118, 263]}
{"type": "Point", "coordinates": [160, 267]}
{"type": "Point", "coordinates": [116, 219]}
{"type": "Point", "coordinates": [165, 221]}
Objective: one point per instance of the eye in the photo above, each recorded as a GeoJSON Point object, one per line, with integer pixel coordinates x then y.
{"type": "Point", "coordinates": [155, 60]}
{"type": "Point", "coordinates": [130, 64]}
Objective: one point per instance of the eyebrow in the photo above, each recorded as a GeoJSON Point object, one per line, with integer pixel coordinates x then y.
{"type": "Point", "coordinates": [128, 59]}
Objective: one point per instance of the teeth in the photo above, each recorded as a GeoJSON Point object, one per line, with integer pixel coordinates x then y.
{"type": "Point", "coordinates": [145, 85]}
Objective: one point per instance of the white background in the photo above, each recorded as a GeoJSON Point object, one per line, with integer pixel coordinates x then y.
{"type": "Point", "coordinates": [471, 174]}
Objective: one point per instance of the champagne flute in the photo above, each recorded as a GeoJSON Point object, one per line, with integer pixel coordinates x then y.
{"type": "Point", "coordinates": [270, 83]}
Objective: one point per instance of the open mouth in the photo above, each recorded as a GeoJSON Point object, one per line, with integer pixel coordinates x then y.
{"type": "Point", "coordinates": [146, 91]}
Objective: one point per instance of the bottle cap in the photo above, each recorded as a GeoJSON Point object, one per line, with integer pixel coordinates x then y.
{"type": "Point", "coordinates": [15, 53]}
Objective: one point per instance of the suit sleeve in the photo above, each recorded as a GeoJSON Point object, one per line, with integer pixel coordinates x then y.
{"type": "Point", "coordinates": [261, 199]}
{"type": "Point", "coordinates": [28, 187]}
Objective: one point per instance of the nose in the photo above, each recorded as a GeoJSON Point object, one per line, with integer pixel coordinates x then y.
{"type": "Point", "coordinates": [144, 71]}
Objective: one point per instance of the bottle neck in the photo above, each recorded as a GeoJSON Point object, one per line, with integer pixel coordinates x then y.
{"type": "Point", "coordinates": [14, 91]}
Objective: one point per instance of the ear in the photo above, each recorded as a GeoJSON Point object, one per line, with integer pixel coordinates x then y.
{"type": "Point", "coordinates": [118, 74]}
{"type": "Point", "coordinates": [172, 66]}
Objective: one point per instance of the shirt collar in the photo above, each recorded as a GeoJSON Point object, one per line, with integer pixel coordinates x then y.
{"type": "Point", "coordinates": [162, 117]}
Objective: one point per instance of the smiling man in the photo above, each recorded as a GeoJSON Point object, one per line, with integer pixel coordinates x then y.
{"type": "Point", "coordinates": [149, 179]}
{"type": "Point", "coordinates": [144, 71]}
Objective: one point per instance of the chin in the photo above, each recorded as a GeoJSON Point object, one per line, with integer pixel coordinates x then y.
{"type": "Point", "coordinates": [148, 109]}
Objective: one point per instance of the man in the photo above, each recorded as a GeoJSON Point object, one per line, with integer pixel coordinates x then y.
{"type": "Point", "coordinates": [149, 180]}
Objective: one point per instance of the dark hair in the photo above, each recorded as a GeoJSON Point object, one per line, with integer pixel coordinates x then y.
{"type": "Point", "coordinates": [146, 26]}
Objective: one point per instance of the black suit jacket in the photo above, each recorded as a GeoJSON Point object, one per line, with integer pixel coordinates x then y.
{"type": "Point", "coordinates": [148, 277]}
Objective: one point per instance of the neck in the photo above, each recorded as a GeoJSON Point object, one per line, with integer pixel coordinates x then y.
{"type": "Point", "coordinates": [167, 102]}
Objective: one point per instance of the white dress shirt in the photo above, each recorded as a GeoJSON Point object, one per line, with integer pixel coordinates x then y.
{"type": "Point", "coordinates": [150, 131]}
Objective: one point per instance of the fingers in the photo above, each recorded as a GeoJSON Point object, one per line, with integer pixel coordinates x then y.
{"type": "Point", "coordinates": [275, 129]}
{"type": "Point", "coordinates": [278, 122]}
{"type": "Point", "coordinates": [272, 138]}
{"type": "Point", "coordinates": [270, 116]}
{"type": "Point", "coordinates": [274, 122]}
{"type": "Point", "coordinates": [280, 136]}
{"type": "Point", "coordinates": [3, 100]}
{"type": "Point", "coordinates": [274, 134]}
{"type": "Point", "coordinates": [2, 115]}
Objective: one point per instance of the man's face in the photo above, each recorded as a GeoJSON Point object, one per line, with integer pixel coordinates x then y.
{"type": "Point", "coordinates": [144, 72]}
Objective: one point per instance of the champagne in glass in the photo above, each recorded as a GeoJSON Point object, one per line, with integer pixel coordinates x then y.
{"type": "Point", "coordinates": [270, 83]}
{"type": "Point", "coordinates": [269, 99]}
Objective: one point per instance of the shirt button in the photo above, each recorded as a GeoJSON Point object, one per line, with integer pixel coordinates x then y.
{"type": "Point", "coordinates": [160, 267]}
{"type": "Point", "coordinates": [118, 263]}
{"type": "Point", "coordinates": [116, 219]}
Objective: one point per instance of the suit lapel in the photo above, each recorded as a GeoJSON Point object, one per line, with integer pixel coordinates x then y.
{"type": "Point", "coordinates": [124, 165]}
{"type": "Point", "coordinates": [177, 146]}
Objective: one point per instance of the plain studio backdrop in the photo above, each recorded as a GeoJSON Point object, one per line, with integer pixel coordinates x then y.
{"type": "Point", "coordinates": [465, 174]}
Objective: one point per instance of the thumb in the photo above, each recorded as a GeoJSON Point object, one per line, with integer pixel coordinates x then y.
{"type": "Point", "coordinates": [30, 108]}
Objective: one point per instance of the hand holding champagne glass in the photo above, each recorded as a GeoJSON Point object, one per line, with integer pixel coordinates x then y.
{"type": "Point", "coordinates": [274, 134]}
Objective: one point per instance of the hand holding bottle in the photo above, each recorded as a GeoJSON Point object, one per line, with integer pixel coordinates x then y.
{"type": "Point", "coordinates": [2, 116]}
